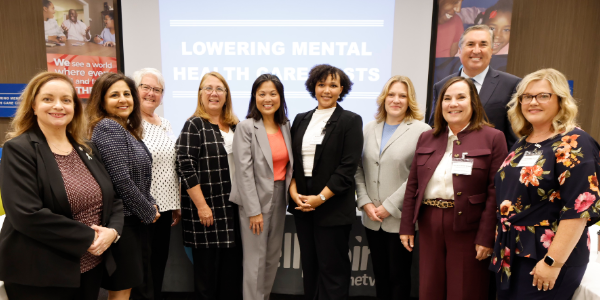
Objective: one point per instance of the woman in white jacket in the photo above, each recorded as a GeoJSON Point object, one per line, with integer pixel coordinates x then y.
{"type": "Point", "coordinates": [389, 147]}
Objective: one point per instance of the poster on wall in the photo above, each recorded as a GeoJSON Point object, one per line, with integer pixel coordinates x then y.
{"type": "Point", "coordinates": [81, 40]}
{"type": "Point", "coordinates": [454, 16]}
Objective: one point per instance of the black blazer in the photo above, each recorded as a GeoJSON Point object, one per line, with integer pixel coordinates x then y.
{"type": "Point", "coordinates": [336, 160]}
{"type": "Point", "coordinates": [40, 243]}
{"type": "Point", "coordinates": [496, 91]}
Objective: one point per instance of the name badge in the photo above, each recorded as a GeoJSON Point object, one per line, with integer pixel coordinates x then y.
{"type": "Point", "coordinates": [530, 158]}
{"type": "Point", "coordinates": [462, 166]}
{"type": "Point", "coordinates": [317, 139]}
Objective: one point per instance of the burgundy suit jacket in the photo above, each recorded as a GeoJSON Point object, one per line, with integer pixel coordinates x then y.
{"type": "Point", "coordinates": [474, 195]}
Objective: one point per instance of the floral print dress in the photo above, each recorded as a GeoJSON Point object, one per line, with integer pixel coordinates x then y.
{"type": "Point", "coordinates": [532, 201]}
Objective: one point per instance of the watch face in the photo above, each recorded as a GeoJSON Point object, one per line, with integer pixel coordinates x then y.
{"type": "Point", "coordinates": [549, 260]}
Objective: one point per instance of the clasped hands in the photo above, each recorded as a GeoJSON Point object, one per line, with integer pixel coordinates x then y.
{"type": "Point", "coordinates": [377, 214]}
{"type": "Point", "coordinates": [104, 237]}
{"type": "Point", "coordinates": [307, 203]}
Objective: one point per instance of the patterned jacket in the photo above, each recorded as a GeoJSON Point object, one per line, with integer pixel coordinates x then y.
{"type": "Point", "coordinates": [202, 160]}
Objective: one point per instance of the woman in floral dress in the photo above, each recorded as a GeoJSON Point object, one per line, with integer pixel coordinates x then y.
{"type": "Point", "coordinates": [547, 194]}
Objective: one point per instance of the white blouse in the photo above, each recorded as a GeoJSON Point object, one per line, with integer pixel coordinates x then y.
{"type": "Point", "coordinates": [315, 129]}
{"type": "Point", "coordinates": [165, 183]}
{"type": "Point", "coordinates": [228, 143]}
{"type": "Point", "coordinates": [440, 184]}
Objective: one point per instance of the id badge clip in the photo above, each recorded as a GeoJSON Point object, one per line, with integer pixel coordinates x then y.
{"type": "Point", "coordinates": [530, 158]}
{"type": "Point", "coordinates": [462, 166]}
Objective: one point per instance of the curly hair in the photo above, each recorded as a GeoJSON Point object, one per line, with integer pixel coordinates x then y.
{"type": "Point", "coordinates": [320, 73]}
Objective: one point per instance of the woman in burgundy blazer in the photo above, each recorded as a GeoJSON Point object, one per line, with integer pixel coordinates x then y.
{"type": "Point", "coordinates": [456, 212]}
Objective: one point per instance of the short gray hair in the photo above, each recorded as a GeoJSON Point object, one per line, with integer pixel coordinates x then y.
{"type": "Point", "coordinates": [476, 27]}
{"type": "Point", "coordinates": [138, 75]}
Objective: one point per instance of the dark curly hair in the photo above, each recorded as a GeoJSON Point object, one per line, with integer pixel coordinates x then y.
{"type": "Point", "coordinates": [281, 113]}
{"type": "Point", "coordinates": [320, 72]}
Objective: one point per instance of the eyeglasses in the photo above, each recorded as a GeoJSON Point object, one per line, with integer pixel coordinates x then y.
{"type": "Point", "coordinates": [541, 98]}
{"type": "Point", "coordinates": [209, 90]}
{"type": "Point", "coordinates": [146, 88]}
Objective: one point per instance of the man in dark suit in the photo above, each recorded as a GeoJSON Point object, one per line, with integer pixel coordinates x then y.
{"type": "Point", "coordinates": [495, 88]}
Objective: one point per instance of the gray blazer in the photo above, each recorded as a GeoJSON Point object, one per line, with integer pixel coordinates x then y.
{"type": "Point", "coordinates": [253, 186]}
{"type": "Point", "coordinates": [381, 178]}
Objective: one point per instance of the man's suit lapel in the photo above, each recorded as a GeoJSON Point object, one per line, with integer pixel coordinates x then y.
{"type": "Point", "coordinates": [489, 85]}
{"type": "Point", "coordinates": [330, 125]}
{"type": "Point", "coordinates": [263, 141]}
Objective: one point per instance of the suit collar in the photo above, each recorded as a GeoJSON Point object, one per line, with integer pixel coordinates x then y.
{"type": "Point", "coordinates": [263, 141]}
{"type": "Point", "coordinates": [402, 128]}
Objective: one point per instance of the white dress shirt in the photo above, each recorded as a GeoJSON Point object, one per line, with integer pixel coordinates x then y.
{"type": "Point", "coordinates": [440, 184]}
{"type": "Point", "coordinates": [76, 30]}
{"type": "Point", "coordinates": [228, 143]}
{"type": "Point", "coordinates": [477, 79]}
{"type": "Point", "coordinates": [315, 128]}
{"type": "Point", "coordinates": [51, 28]}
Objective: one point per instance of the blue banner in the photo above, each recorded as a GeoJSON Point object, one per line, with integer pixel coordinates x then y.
{"type": "Point", "coordinates": [9, 98]}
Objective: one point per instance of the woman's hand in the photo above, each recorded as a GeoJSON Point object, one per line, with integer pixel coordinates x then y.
{"type": "Point", "coordinates": [256, 224]}
{"type": "Point", "coordinates": [104, 238]}
{"type": "Point", "coordinates": [302, 206]}
{"type": "Point", "coordinates": [176, 217]}
{"type": "Point", "coordinates": [313, 201]}
{"type": "Point", "coordinates": [544, 276]}
{"type": "Point", "coordinates": [408, 241]}
{"type": "Point", "coordinates": [206, 216]}
{"type": "Point", "coordinates": [157, 214]}
{"type": "Point", "coordinates": [482, 252]}
{"type": "Point", "coordinates": [371, 211]}
{"type": "Point", "coordinates": [382, 213]}
{"type": "Point", "coordinates": [109, 44]}
{"type": "Point", "coordinates": [97, 40]}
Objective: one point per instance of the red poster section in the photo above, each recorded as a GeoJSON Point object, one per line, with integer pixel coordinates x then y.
{"type": "Point", "coordinates": [83, 69]}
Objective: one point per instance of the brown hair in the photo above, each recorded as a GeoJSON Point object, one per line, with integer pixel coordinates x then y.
{"type": "Point", "coordinates": [412, 110]}
{"type": "Point", "coordinates": [478, 117]}
{"type": "Point", "coordinates": [25, 118]}
{"type": "Point", "coordinates": [96, 111]}
{"type": "Point", "coordinates": [227, 115]}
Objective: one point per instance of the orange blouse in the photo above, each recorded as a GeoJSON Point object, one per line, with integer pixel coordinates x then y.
{"type": "Point", "coordinates": [280, 155]}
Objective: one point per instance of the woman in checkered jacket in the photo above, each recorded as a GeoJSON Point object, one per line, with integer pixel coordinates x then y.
{"type": "Point", "coordinates": [210, 221]}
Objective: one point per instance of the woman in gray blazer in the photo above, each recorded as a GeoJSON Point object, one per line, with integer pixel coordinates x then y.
{"type": "Point", "coordinates": [389, 147]}
{"type": "Point", "coordinates": [263, 163]}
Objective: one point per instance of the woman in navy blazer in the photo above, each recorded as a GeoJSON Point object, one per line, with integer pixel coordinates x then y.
{"type": "Point", "coordinates": [263, 162]}
{"type": "Point", "coordinates": [55, 240]}
{"type": "Point", "coordinates": [116, 129]}
{"type": "Point", "coordinates": [455, 209]}
{"type": "Point", "coordinates": [327, 143]}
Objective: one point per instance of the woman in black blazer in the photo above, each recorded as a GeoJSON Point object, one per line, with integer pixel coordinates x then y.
{"type": "Point", "coordinates": [327, 144]}
{"type": "Point", "coordinates": [61, 211]}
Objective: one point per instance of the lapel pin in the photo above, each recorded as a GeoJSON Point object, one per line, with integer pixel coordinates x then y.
{"type": "Point", "coordinates": [80, 149]}
{"type": "Point", "coordinates": [88, 155]}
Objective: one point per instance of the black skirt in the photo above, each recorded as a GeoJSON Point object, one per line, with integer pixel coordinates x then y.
{"type": "Point", "coordinates": [128, 257]}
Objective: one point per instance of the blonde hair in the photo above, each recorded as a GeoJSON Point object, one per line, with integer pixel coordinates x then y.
{"type": "Point", "coordinates": [412, 111]}
{"type": "Point", "coordinates": [227, 115]}
{"type": "Point", "coordinates": [565, 119]}
{"type": "Point", "coordinates": [25, 118]}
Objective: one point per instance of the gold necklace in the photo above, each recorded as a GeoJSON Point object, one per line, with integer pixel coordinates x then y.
{"type": "Point", "coordinates": [63, 151]}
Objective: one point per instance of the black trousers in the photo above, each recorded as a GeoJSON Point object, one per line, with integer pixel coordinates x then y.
{"type": "Point", "coordinates": [154, 255]}
{"type": "Point", "coordinates": [88, 289]}
{"type": "Point", "coordinates": [325, 262]}
{"type": "Point", "coordinates": [391, 265]}
{"type": "Point", "coordinates": [218, 272]}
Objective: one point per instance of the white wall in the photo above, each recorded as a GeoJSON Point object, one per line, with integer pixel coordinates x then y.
{"type": "Point", "coordinates": [412, 36]}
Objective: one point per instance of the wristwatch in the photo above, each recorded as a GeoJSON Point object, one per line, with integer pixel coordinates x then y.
{"type": "Point", "coordinates": [322, 197]}
{"type": "Point", "coordinates": [551, 262]}
{"type": "Point", "coordinates": [118, 236]}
